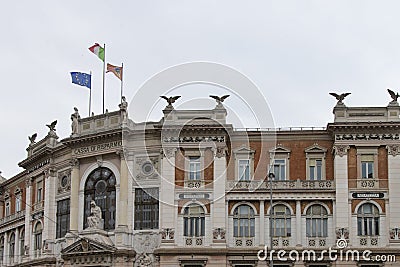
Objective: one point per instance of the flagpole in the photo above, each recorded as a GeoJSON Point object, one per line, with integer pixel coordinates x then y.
{"type": "Point", "coordinates": [104, 73]}
{"type": "Point", "coordinates": [122, 78]}
{"type": "Point", "coordinates": [90, 94]}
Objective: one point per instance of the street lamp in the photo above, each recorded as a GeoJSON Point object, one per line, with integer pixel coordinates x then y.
{"type": "Point", "coordinates": [271, 176]}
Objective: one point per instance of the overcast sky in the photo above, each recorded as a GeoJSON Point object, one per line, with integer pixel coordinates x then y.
{"type": "Point", "coordinates": [296, 52]}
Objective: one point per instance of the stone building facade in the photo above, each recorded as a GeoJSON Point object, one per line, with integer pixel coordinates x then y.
{"type": "Point", "coordinates": [191, 190]}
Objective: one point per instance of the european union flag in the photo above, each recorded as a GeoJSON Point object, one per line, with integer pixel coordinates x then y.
{"type": "Point", "coordinates": [82, 79]}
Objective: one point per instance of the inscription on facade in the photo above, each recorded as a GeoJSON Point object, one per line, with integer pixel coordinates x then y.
{"type": "Point", "coordinates": [97, 148]}
{"type": "Point", "coordinates": [368, 195]}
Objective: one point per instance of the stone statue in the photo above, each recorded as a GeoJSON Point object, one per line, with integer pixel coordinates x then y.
{"type": "Point", "coordinates": [75, 118]}
{"type": "Point", "coordinates": [393, 95]}
{"type": "Point", "coordinates": [170, 100]}
{"type": "Point", "coordinates": [219, 99]}
{"type": "Point", "coordinates": [94, 220]}
{"type": "Point", "coordinates": [340, 97]}
{"type": "Point", "coordinates": [52, 126]}
{"type": "Point", "coordinates": [32, 138]}
{"type": "Point", "coordinates": [123, 107]}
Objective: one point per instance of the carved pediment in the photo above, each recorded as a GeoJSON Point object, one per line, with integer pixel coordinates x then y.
{"type": "Point", "coordinates": [86, 245]}
{"type": "Point", "coordinates": [279, 149]}
{"type": "Point", "coordinates": [315, 148]}
{"type": "Point", "coordinates": [243, 150]}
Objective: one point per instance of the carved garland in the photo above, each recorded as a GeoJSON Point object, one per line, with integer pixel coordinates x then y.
{"type": "Point", "coordinates": [341, 150]}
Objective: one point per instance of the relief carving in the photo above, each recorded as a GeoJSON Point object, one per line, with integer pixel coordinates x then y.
{"type": "Point", "coordinates": [147, 167]}
{"type": "Point", "coordinates": [393, 150]}
{"type": "Point", "coordinates": [341, 150]}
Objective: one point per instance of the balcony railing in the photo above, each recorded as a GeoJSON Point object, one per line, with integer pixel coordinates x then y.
{"type": "Point", "coordinates": [280, 185]}
{"type": "Point", "coordinates": [281, 242]}
{"type": "Point", "coordinates": [368, 183]}
{"type": "Point", "coordinates": [316, 242]}
{"type": "Point", "coordinates": [244, 242]}
{"type": "Point", "coordinates": [368, 241]}
{"type": "Point", "coordinates": [194, 184]}
{"type": "Point", "coordinates": [194, 241]}
{"type": "Point", "coordinates": [13, 217]}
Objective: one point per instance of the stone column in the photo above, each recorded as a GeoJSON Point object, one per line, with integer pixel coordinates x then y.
{"type": "Point", "coordinates": [74, 200]}
{"type": "Point", "coordinates": [394, 185]}
{"type": "Point", "coordinates": [28, 227]}
{"type": "Point", "coordinates": [219, 181]}
{"type": "Point", "coordinates": [262, 223]}
{"type": "Point", "coordinates": [342, 189]}
{"type": "Point", "coordinates": [299, 231]}
{"type": "Point", "coordinates": [16, 250]}
{"type": "Point", "coordinates": [49, 205]}
{"type": "Point", "coordinates": [167, 192]}
{"type": "Point", "coordinates": [122, 205]}
{"type": "Point", "coordinates": [6, 258]}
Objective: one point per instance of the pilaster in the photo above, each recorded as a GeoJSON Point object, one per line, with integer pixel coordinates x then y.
{"type": "Point", "coordinates": [74, 202]}
{"type": "Point", "coordinates": [218, 206]}
{"type": "Point", "coordinates": [342, 189]}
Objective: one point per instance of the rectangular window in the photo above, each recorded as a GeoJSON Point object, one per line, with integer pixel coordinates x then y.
{"type": "Point", "coordinates": [244, 170]}
{"type": "Point", "coordinates": [194, 168]}
{"type": "Point", "coordinates": [8, 211]}
{"type": "Point", "coordinates": [18, 203]}
{"type": "Point", "coordinates": [146, 208]}
{"type": "Point", "coordinates": [39, 192]}
{"type": "Point", "coordinates": [367, 167]}
{"type": "Point", "coordinates": [315, 169]}
{"type": "Point", "coordinates": [63, 209]}
{"type": "Point", "coordinates": [280, 169]}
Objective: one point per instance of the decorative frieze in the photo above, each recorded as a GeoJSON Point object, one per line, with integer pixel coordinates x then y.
{"type": "Point", "coordinates": [74, 163]}
{"type": "Point", "coordinates": [367, 136]}
{"type": "Point", "coordinates": [193, 139]}
{"type": "Point", "coordinates": [341, 150]}
{"type": "Point", "coordinates": [146, 242]}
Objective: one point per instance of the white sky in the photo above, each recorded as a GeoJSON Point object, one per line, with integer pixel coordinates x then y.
{"type": "Point", "coordinates": [295, 51]}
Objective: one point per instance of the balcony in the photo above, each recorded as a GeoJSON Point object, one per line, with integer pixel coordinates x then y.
{"type": "Point", "coordinates": [13, 217]}
{"type": "Point", "coordinates": [368, 183]}
{"type": "Point", "coordinates": [256, 185]}
{"type": "Point", "coordinates": [367, 241]}
{"type": "Point", "coordinates": [194, 241]}
{"type": "Point", "coordinates": [194, 184]}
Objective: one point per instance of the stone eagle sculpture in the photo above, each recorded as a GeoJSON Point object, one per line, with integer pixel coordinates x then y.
{"type": "Point", "coordinates": [393, 95]}
{"type": "Point", "coordinates": [170, 99]}
{"type": "Point", "coordinates": [219, 99]}
{"type": "Point", "coordinates": [340, 97]}
{"type": "Point", "coordinates": [32, 138]}
{"type": "Point", "coordinates": [52, 126]}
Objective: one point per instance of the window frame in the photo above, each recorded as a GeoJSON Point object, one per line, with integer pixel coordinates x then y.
{"type": "Point", "coordinates": [317, 224]}
{"type": "Point", "coordinates": [37, 233]}
{"type": "Point", "coordinates": [285, 219]}
{"type": "Point", "coordinates": [146, 198]}
{"type": "Point", "coordinates": [368, 224]}
{"type": "Point", "coordinates": [240, 154]}
{"type": "Point", "coordinates": [249, 227]}
{"type": "Point", "coordinates": [367, 156]}
{"type": "Point", "coordinates": [62, 217]}
{"type": "Point", "coordinates": [194, 224]}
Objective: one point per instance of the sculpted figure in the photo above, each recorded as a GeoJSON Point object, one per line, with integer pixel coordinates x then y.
{"type": "Point", "coordinates": [75, 117]}
{"type": "Point", "coordinates": [95, 215]}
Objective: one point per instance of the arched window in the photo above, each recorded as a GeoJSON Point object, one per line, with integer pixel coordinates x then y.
{"type": "Point", "coordinates": [100, 187]}
{"type": "Point", "coordinates": [317, 221]}
{"type": "Point", "coordinates": [38, 236]}
{"type": "Point", "coordinates": [368, 220]}
{"type": "Point", "coordinates": [11, 251]}
{"type": "Point", "coordinates": [194, 221]}
{"type": "Point", "coordinates": [22, 243]}
{"type": "Point", "coordinates": [280, 221]}
{"type": "Point", "coordinates": [243, 221]}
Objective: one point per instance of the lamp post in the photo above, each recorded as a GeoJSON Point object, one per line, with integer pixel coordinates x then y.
{"type": "Point", "coordinates": [271, 176]}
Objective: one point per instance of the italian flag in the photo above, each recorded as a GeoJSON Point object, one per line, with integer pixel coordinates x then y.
{"type": "Point", "coordinates": [97, 50]}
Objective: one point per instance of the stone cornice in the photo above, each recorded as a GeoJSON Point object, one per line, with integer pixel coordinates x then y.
{"type": "Point", "coordinates": [91, 138]}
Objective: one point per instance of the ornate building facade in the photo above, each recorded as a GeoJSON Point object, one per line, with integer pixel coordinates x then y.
{"type": "Point", "coordinates": [191, 190]}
